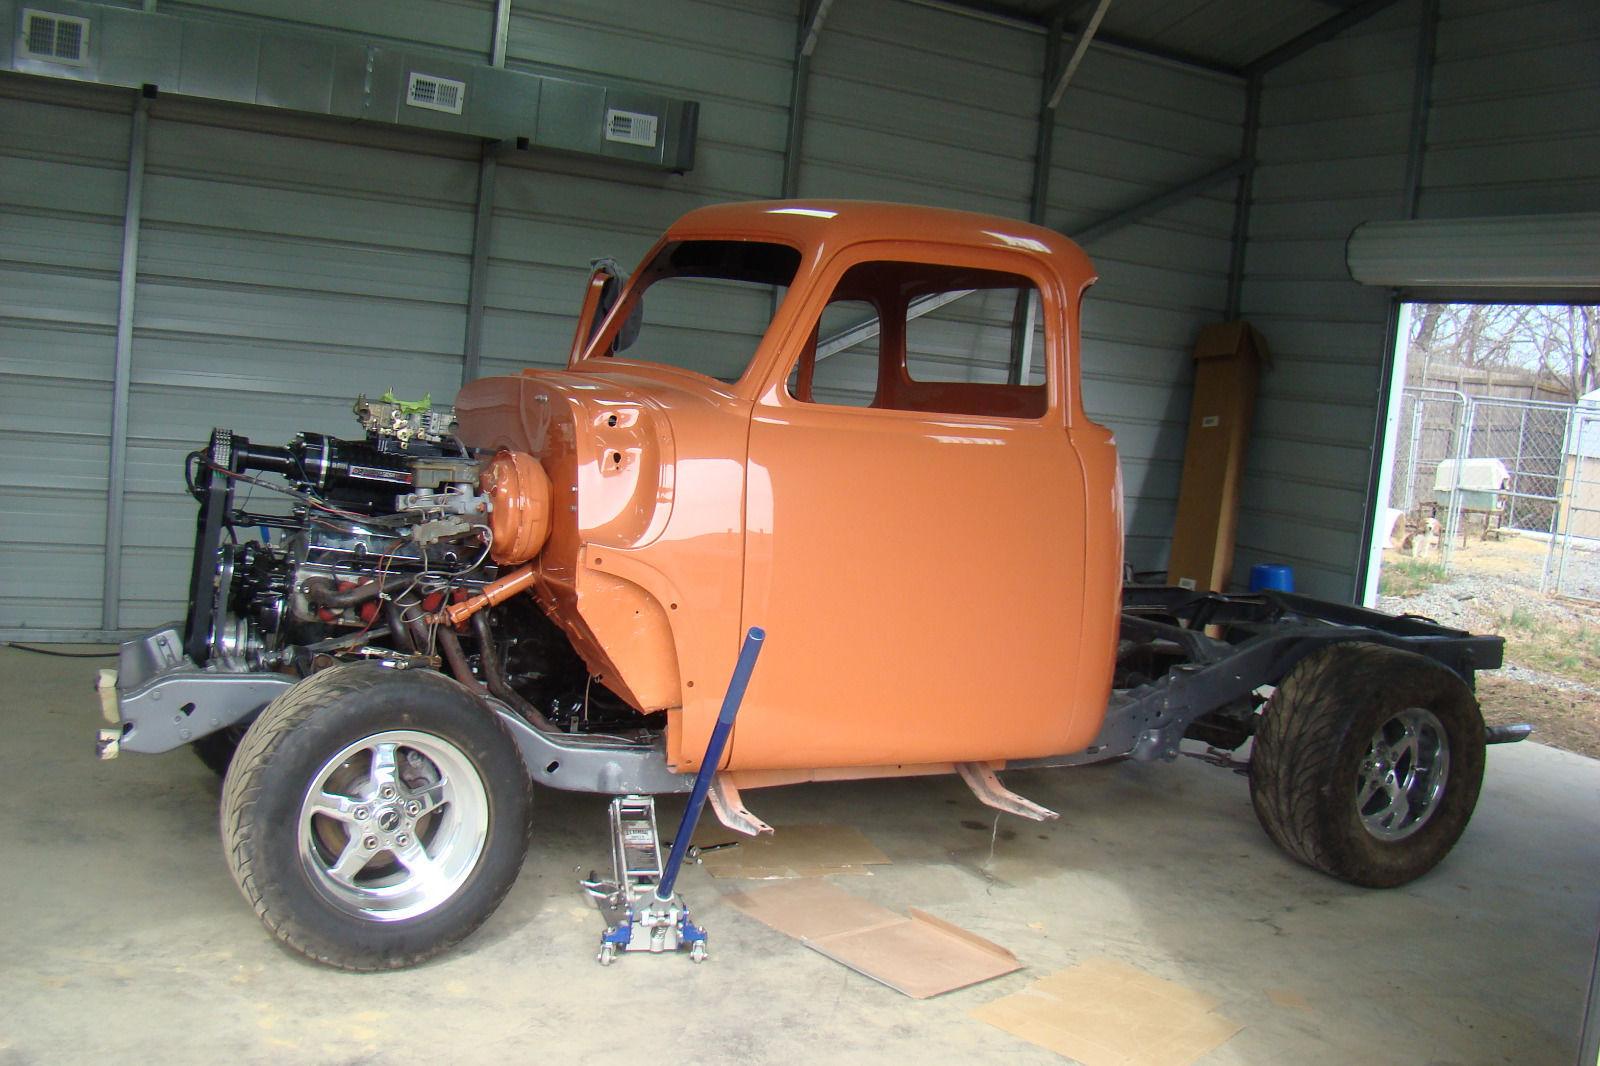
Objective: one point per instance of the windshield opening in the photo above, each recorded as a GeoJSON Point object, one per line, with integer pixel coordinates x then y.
{"type": "Point", "coordinates": [706, 305]}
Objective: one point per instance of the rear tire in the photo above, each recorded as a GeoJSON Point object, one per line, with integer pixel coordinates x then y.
{"type": "Point", "coordinates": [1368, 763]}
{"type": "Point", "coordinates": [375, 817]}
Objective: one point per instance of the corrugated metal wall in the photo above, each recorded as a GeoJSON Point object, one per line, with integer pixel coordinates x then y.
{"type": "Point", "coordinates": [908, 103]}
{"type": "Point", "coordinates": [1133, 129]}
{"type": "Point", "coordinates": [1515, 124]}
{"type": "Point", "coordinates": [61, 205]}
{"type": "Point", "coordinates": [289, 263]}
{"type": "Point", "coordinates": [1332, 154]}
{"type": "Point", "coordinates": [281, 272]}
{"type": "Point", "coordinates": [920, 104]}
{"type": "Point", "coordinates": [1513, 129]}
{"type": "Point", "coordinates": [462, 27]}
{"type": "Point", "coordinates": [552, 216]}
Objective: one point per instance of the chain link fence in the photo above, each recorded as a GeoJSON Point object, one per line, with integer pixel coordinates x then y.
{"type": "Point", "coordinates": [1470, 466]}
{"type": "Point", "coordinates": [1530, 437]}
{"type": "Point", "coordinates": [1578, 567]}
{"type": "Point", "coordinates": [1431, 424]}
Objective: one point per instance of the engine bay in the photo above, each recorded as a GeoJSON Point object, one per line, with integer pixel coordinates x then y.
{"type": "Point", "coordinates": [328, 550]}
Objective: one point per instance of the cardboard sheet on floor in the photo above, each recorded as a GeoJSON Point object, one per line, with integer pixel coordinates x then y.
{"type": "Point", "coordinates": [1288, 997]}
{"type": "Point", "coordinates": [789, 851]}
{"type": "Point", "coordinates": [919, 955]}
{"type": "Point", "coordinates": [1106, 1013]}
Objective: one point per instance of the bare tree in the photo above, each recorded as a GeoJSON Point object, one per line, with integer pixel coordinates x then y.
{"type": "Point", "coordinates": [1566, 339]}
{"type": "Point", "coordinates": [1557, 343]}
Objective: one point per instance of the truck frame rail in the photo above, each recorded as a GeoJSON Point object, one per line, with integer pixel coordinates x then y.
{"type": "Point", "coordinates": [1186, 656]}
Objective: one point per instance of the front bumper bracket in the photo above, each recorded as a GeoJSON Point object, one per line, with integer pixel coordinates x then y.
{"type": "Point", "coordinates": [158, 699]}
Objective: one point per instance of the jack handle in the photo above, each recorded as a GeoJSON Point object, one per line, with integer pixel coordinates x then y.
{"type": "Point", "coordinates": [708, 766]}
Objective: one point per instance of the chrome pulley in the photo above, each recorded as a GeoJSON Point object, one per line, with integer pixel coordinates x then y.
{"type": "Point", "coordinates": [235, 642]}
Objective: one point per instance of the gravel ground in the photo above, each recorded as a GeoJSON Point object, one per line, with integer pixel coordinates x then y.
{"type": "Point", "coordinates": [1488, 583]}
{"type": "Point", "coordinates": [1477, 602]}
{"type": "Point", "coordinates": [1581, 575]}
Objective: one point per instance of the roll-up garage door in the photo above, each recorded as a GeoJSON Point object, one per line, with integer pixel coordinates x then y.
{"type": "Point", "coordinates": [1510, 259]}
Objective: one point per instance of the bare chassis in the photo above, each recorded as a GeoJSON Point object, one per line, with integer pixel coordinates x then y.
{"type": "Point", "coordinates": [159, 700]}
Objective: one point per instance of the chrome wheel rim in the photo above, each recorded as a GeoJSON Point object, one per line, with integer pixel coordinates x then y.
{"type": "Point", "coordinates": [393, 825]}
{"type": "Point", "coordinates": [1402, 778]}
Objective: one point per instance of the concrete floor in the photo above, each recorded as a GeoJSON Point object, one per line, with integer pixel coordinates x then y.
{"type": "Point", "coordinates": [122, 937]}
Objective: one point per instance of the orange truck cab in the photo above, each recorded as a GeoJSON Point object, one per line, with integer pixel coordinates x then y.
{"type": "Point", "coordinates": [938, 558]}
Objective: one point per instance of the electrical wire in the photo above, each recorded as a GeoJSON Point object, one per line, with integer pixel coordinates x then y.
{"type": "Point", "coordinates": [61, 654]}
{"type": "Point", "coordinates": [429, 581]}
{"type": "Point", "coordinates": [303, 497]}
{"type": "Point", "coordinates": [383, 573]}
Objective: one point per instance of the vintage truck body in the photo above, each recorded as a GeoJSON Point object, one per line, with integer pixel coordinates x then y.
{"type": "Point", "coordinates": [973, 557]}
{"type": "Point", "coordinates": [858, 426]}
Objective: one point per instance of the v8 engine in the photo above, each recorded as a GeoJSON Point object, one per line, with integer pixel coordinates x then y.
{"type": "Point", "coordinates": [327, 550]}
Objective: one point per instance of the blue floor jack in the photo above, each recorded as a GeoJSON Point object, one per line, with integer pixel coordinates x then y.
{"type": "Point", "coordinates": [642, 909]}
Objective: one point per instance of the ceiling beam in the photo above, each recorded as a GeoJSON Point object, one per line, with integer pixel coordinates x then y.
{"type": "Point", "coordinates": [813, 28]}
{"type": "Point", "coordinates": [1321, 32]}
{"type": "Point", "coordinates": [1079, 50]}
{"type": "Point", "coordinates": [998, 13]}
{"type": "Point", "coordinates": [1421, 104]}
{"type": "Point", "coordinates": [1160, 202]}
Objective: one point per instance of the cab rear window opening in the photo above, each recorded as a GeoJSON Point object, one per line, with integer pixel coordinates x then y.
{"type": "Point", "coordinates": [961, 329]}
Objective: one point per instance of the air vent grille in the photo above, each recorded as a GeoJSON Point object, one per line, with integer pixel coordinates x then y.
{"type": "Point", "coordinates": [54, 38]}
{"type": "Point", "coordinates": [436, 94]}
{"type": "Point", "coordinates": [631, 127]}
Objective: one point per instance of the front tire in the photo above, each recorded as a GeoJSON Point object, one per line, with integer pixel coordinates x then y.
{"type": "Point", "coordinates": [1368, 763]}
{"type": "Point", "coordinates": [375, 817]}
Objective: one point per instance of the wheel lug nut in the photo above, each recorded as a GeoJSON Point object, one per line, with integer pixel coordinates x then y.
{"type": "Point", "coordinates": [362, 814]}
{"type": "Point", "coordinates": [370, 843]}
{"type": "Point", "coordinates": [403, 840]}
{"type": "Point", "coordinates": [413, 808]}
{"type": "Point", "coordinates": [387, 792]}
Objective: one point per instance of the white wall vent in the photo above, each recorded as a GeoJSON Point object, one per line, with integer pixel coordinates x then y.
{"type": "Point", "coordinates": [435, 93]}
{"type": "Point", "coordinates": [631, 127]}
{"type": "Point", "coordinates": [54, 38]}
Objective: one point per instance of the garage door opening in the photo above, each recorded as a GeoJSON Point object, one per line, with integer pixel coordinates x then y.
{"type": "Point", "coordinates": [1490, 518]}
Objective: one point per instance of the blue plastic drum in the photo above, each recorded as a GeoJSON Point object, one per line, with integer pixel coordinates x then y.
{"type": "Point", "coordinates": [1271, 577]}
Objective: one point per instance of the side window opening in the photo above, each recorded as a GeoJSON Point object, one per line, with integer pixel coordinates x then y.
{"type": "Point", "coordinates": [927, 337]}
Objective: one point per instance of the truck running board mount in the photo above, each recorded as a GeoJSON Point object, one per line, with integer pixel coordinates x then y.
{"type": "Point", "coordinates": [980, 777]}
{"type": "Point", "coordinates": [730, 808]}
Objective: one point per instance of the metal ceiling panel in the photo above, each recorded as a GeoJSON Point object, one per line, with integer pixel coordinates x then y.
{"type": "Point", "coordinates": [1224, 33]}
